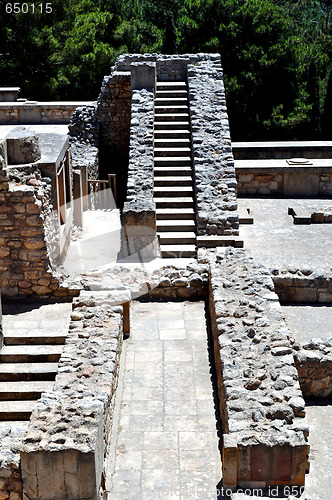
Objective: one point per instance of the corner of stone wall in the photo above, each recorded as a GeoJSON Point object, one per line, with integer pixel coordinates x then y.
{"type": "Point", "coordinates": [213, 162]}
{"type": "Point", "coordinates": [64, 448]}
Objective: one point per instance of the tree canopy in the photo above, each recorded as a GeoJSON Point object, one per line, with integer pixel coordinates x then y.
{"type": "Point", "coordinates": [276, 54]}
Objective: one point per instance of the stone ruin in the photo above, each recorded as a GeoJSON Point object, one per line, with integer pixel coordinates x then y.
{"type": "Point", "coordinates": [263, 374]}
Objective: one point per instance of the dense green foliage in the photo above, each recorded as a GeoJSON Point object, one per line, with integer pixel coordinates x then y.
{"type": "Point", "coordinates": [276, 54]}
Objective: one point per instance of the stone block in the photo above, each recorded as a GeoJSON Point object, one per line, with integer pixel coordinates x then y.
{"type": "Point", "coordinates": [22, 147]}
{"type": "Point", "coordinates": [143, 75]}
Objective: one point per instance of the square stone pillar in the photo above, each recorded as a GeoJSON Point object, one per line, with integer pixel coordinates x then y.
{"type": "Point", "coordinates": [143, 75]}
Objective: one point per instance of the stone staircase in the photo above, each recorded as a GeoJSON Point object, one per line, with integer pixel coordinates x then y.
{"type": "Point", "coordinates": [28, 366]}
{"type": "Point", "coordinates": [173, 184]}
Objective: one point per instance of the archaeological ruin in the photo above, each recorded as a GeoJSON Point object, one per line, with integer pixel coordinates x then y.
{"type": "Point", "coordinates": [166, 296]}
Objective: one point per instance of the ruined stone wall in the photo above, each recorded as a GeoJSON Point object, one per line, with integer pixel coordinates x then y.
{"type": "Point", "coordinates": [169, 66]}
{"type": "Point", "coordinates": [84, 134]}
{"type": "Point", "coordinates": [213, 162]}
{"type": "Point", "coordinates": [303, 285]}
{"type": "Point", "coordinates": [260, 183]}
{"type": "Point", "coordinates": [139, 211]}
{"type": "Point", "coordinates": [113, 114]}
{"type": "Point", "coordinates": [314, 365]}
{"type": "Point", "coordinates": [325, 184]}
{"type": "Point", "coordinates": [26, 112]}
{"type": "Point", "coordinates": [261, 404]}
{"type": "Point", "coordinates": [65, 444]}
{"type": "Point", "coordinates": [25, 218]}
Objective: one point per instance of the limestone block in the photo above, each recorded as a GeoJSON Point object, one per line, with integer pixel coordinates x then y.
{"type": "Point", "coordinates": [22, 147]}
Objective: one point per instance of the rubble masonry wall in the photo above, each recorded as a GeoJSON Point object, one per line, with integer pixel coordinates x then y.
{"type": "Point", "coordinates": [65, 444]}
{"type": "Point", "coordinates": [261, 404]}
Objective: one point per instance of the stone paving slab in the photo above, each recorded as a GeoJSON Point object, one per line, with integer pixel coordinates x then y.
{"type": "Point", "coordinates": [166, 444]}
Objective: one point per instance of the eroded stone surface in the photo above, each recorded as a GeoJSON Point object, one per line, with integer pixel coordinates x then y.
{"type": "Point", "coordinates": [68, 432]}
{"type": "Point", "coordinates": [261, 402]}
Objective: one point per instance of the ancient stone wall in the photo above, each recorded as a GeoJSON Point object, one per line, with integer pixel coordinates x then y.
{"type": "Point", "coordinates": [35, 112]}
{"type": "Point", "coordinates": [113, 114]}
{"type": "Point", "coordinates": [84, 134]}
{"type": "Point", "coordinates": [65, 444]}
{"type": "Point", "coordinates": [260, 183]}
{"type": "Point", "coordinates": [170, 67]}
{"type": "Point", "coordinates": [314, 365]}
{"type": "Point", "coordinates": [325, 184]}
{"type": "Point", "coordinates": [139, 211]}
{"type": "Point", "coordinates": [303, 285]}
{"type": "Point", "coordinates": [261, 404]}
{"type": "Point", "coordinates": [25, 217]}
{"type": "Point", "coordinates": [213, 163]}
{"type": "Point", "coordinates": [279, 181]}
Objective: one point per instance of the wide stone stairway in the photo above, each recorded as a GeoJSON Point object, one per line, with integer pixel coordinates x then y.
{"type": "Point", "coordinates": [33, 338]}
{"type": "Point", "coordinates": [173, 184]}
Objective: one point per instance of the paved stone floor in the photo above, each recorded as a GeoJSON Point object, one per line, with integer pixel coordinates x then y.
{"type": "Point", "coordinates": [309, 321]}
{"type": "Point", "coordinates": [166, 443]}
{"type": "Point", "coordinates": [276, 242]}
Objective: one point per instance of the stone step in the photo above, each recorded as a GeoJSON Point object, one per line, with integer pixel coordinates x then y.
{"type": "Point", "coordinates": [176, 214]}
{"type": "Point", "coordinates": [28, 371]}
{"type": "Point", "coordinates": [170, 101]}
{"type": "Point", "coordinates": [171, 93]}
{"type": "Point", "coordinates": [177, 238]}
{"type": "Point", "coordinates": [170, 181]}
{"type": "Point", "coordinates": [158, 152]}
{"type": "Point", "coordinates": [14, 391]}
{"type": "Point", "coordinates": [177, 251]}
{"type": "Point", "coordinates": [171, 86]}
{"type": "Point", "coordinates": [171, 225]}
{"type": "Point", "coordinates": [173, 191]}
{"type": "Point", "coordinates": [177, 161]}
{"type": "Point", "coordinates": [172, 172]}
{"type": "Point", "coordinates": [171, 143]}
{"type": "Point", "coordinates": [219, 241]}
{"type": "Point", "coordinates": [171, 134]}
{"type": "Point", "coordinates": [16, 410]}
{"type": "Point", "coordinates": [171, 125]}
{"type": "Point", "coordinates": [171, 117]}
{"type": "Point", "coordinates": [34, 337]}
{"type": "Point", "coordinates": [171, 109]}
{"type": "Point", "coordinates": [174, 202]}
{"type": "Point", "coordinates": [30, 353]}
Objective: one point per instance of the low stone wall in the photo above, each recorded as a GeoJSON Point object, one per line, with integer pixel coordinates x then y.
{"type": "Point", "coordinates": [65, 444]}
{"type": "Point", "coordinates": [25, 264]}
{"type": "Point", "coordinates": [305, 285]}
{"type": "Point", "coordinates": [139, 211]}
{"type": "Point", "coordinates": [261, 405]}
{"type": "Point", "coordinates": [325, 183]}
{"type": "Point", "coordinates": [260, 183]}
{"type": "Point", "coordinates": [285, 180]}
{"type": "Point", "coordinates": [37, 112]}
{"type": "Point", "coordinates": [314, 365]}
{"type": "Point", "coordinates": [213, 163]}
{"type": "Point", "coordinates": [10, 471]}
{"type": "Point", "coordinates": [84, 134]}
